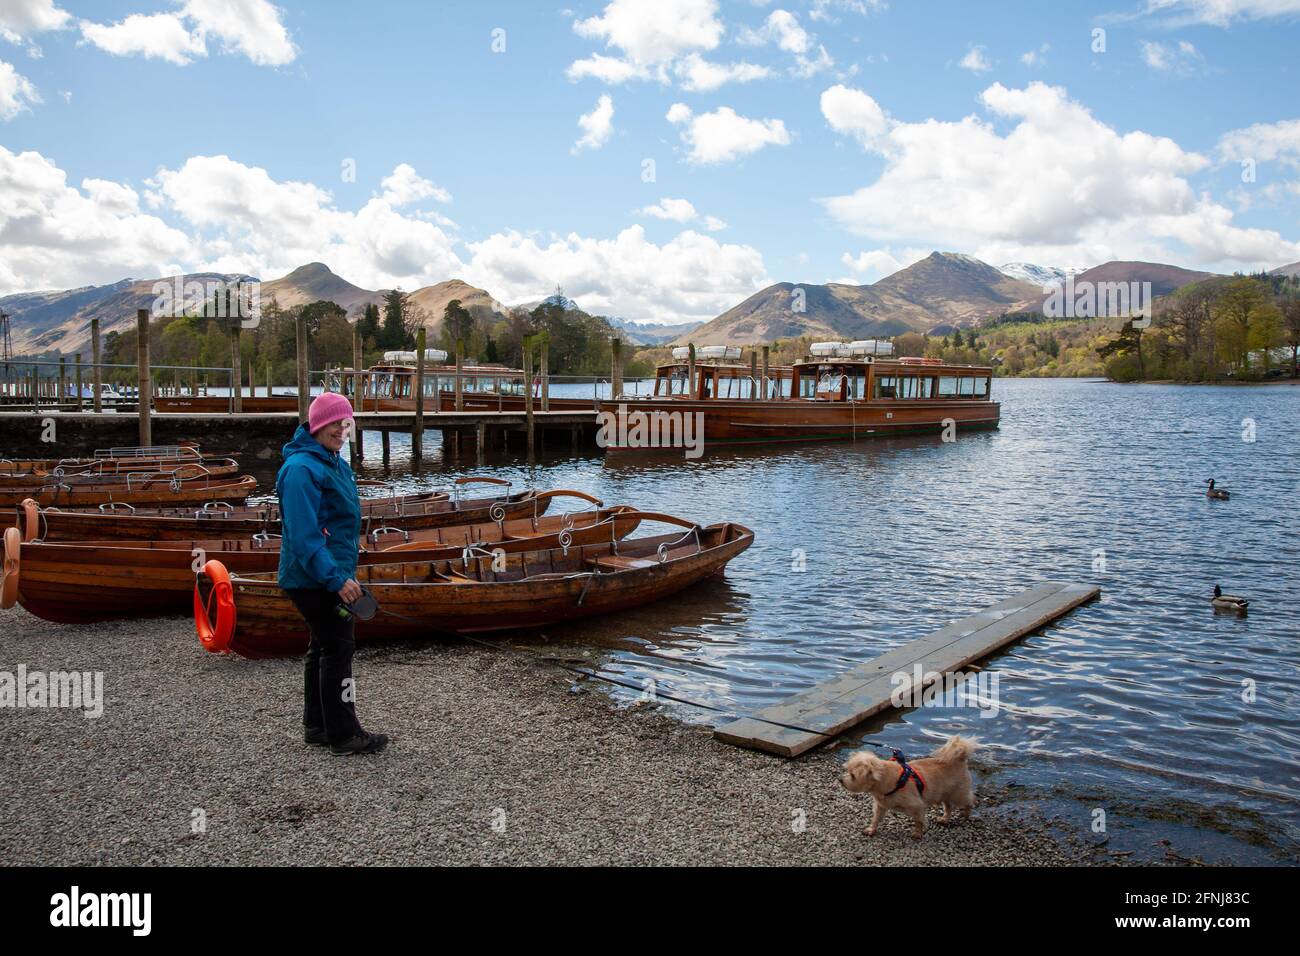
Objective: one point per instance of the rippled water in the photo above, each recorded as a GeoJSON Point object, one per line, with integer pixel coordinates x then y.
{"type": "Point", "coordinates": [1134, 702]}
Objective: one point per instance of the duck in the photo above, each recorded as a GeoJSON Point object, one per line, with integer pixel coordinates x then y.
{"type": "Point", "coordinates": [1218, 493]}
{"type": "Point", "coordinates": [1228, 602]}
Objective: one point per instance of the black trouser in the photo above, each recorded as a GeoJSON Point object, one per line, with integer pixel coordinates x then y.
{"type": "Point", "coordinates": [328, 688]}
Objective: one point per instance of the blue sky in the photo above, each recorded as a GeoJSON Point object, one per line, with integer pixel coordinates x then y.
{"type": "Point", "coordinates": [805, 140]}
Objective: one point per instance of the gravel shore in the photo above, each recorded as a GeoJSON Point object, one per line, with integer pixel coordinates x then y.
{"type": "Point", "coordinates": [494, 760]}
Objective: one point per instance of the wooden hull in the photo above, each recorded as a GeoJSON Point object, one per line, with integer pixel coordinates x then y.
{"type": "Point", "coordinates": [268, 624]}
{"type": "Point", "coordinates": [472, 402]}
{"type": "Point", "coordinates": [86, 582]}
{"type": "Point", "coordinates": [480, 402]}
{"type": "Point", "coordinates": [760, 422]}
{"type": "Point", "coordinates": [417, 511]}
{"type": "Point", "coordinates": [217, 404]}
{"type": "Point", "coordinates": [147, 493]}
{"type": "Point", "coordinates": [10, 467]}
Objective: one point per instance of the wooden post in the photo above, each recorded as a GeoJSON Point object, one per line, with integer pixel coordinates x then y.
{"type": "Point", "coordinates": [460, 398]}
{"type": "Point", "coordinates": [268, 378]}
{"type": "Point", "coordinates": [691, 384]}
{"type": "Point", "coordinates": [528, 393]}
{"type": "Point", "coordinates": [63, 383]}
{"type": "Point", "coordinates": [357, 397]}
{"type": "Point", "coordinates": [616, 372]}
{"type": "Point", "coordinates": [79, 381]}
{"type": "Point", "coordinates": [96, 376]}
{"type": "Point", "coordinates": [144, 381]}
{"type": "Point", "coordinates": [383, 435]}
{"type": "Point", "coordinates": [545, 374]}
{"type": "Point", "coordinates": [304, 390]}
{"type": "Point", "coordinates": [753, 375]}
{"type": "Point", "coordinates": [480, 439]}
{"type": "Point", "coordinates": [236, 371]}
{"type": "Point", "coordinates": [766, 358]}
{"type": "Point", "coordinates": [417, 428]}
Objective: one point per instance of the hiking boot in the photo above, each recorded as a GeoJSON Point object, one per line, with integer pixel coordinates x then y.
{"type": "Point", "coordinates": [315, 735]}
{"type": "Point", "coordinates": [362, 743]}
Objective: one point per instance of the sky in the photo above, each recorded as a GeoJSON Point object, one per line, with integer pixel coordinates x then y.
{"type": "Point", "coordinates": [660, 160]}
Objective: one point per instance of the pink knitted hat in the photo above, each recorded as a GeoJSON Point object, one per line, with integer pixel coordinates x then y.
{"type": "Point", "coordinates": [326, 409]}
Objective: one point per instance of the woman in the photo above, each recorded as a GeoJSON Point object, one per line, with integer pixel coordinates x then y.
{"type": "Point", "coordinates": [321, 516]}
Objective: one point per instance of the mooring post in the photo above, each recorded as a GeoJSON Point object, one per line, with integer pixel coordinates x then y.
{"type": "Point", "coordinates": [460, 357]}
{"type": "Point", "coordinates": [304, 391]}
{"type": "Point", "coordinates": [79, 381]}
{"type": "Point", "coordinates": [96, 377]}
{"type": "Point", "coordinates": [691, 388]}
{"type": "Point", "coordinates": [616, 372]}
{"type": "Point", "coordinates": [236, 370]}
{"type": "Point", "coordinates": [766, 357]}
{"type": "Point", "coordinates": [528, 392]}
{"type": "Point", "coordinates": [357, 397]}
{"type": "Point", "coordinates": [144, 381]}
{"type": "Point", "coordinates": [417, 427]}
{"type": "Point", "coordinates": [383, 435]}
{"type": "Point", "coordinates": [544, 374]}
{"type": "Point", "coordinates": [480, 438]}
{"type": "Point", "coordinates": [753, 375]}
{"type": "Point", "coordinates": [63, 383]}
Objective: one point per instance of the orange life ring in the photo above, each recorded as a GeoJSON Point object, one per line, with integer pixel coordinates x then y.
{"type": "Point", "coordinates": [9, 572]}
{"type": "Point", "coordinates": [215, 636]}
{"type": "Point", "coordinates": [31, 519]}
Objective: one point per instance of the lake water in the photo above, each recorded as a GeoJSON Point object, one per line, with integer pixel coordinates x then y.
{"type": "Point", "coordinates": [1140, 704]}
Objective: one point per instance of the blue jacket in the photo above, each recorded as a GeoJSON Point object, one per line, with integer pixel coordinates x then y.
{"type": "Point", "coordinates": [321, 516]}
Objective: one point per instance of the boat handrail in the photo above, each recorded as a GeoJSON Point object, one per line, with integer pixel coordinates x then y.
{"type": "Point", "coordinates": [387, 529]}
{"type": "Point", "coordinates": [110, 506]}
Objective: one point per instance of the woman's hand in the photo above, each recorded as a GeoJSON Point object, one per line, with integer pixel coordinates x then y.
{"type": "Point", "coordinates": [350, 591]}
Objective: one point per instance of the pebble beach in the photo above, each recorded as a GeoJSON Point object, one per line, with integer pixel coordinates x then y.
{"type": "Point", "coordinates": [496, 759]}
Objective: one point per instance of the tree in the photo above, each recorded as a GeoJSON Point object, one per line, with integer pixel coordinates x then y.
{"type": "Point", "coordinates": [1129, 341]}
{"type": "Point", "coordinates": [457, 326]}
{"type": "Point", "coordinates": [368, 323]}
{"type": "Point", "coordinates": [1291, 327]}
{"type": "Point", "coordinates": [393, 333]}
{"type": "Point", "coordinates": [1240, 304]}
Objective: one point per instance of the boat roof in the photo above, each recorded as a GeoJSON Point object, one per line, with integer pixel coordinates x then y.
{"type": "Point", "coordinates": [892, 364]}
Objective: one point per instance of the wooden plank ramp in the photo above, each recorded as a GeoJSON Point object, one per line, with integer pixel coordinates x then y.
{"type": "Point", "coordinates": [834, 706]}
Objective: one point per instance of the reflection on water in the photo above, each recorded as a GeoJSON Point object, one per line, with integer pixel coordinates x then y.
{"type": "Point", "coordinates": [1142, 695]}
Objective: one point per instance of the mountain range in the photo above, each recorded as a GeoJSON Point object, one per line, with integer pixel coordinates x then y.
{"type": "Point", "coordinates": [945, 290]}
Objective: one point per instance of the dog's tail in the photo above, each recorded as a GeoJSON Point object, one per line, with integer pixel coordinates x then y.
{"type": "Point", "coordinates": [957, 748]}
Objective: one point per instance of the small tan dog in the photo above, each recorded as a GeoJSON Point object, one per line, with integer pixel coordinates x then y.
{"type": "Point", "coordinates": [943, 777]}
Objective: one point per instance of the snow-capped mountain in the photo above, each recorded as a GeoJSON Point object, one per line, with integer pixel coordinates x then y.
{"type": "Point", "coordinates": [1037, 275]}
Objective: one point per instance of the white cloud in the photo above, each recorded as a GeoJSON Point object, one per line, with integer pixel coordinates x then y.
{"type": "Point", "coordinates": [20, 19]}
{"type": "Point", "coordinates": [1181, 57]}
{"type": "Point", "coordinates": [677, 210]}
{"type": "Point", "coordinates": [874, 264]}
{"type": "Point", "coordinates": [653, 33]}
{"type": "Point", "coordinates": [855, 114]}
{"type": "Point", "coordinates": [783, 29]}
{"type": "Point", "coordinates": [248, 27]}
{"type": "Point", "coordinates": [975, 61]}
{"type": "Point", "coordinates": [1263, 142]}
{"type": "Point", "coordinates": [16, 92]}
{"type": "Point", "coordinates": [692, 277]}
{"type": "Point", "coordinates": [681, 211]}
{"type": "Point", "coordinates": [54, 236]}
{"type": "Point", "coordinates": [699, 75]}
{"type": "Point", "coordinates": [241, 219]}
{"type": "Point", "coordinates": [597, 126]}
{"type": "Point", "coordinates": [161, 35]}
{"type": "Point", "coordinates": [1033, 195]}
{"type": "Point", "coordinates": [607, 69]}
{"type": "Point", "coordinates": [1036, 57]}
{"type": "Point", "coordinates": [724, 135]}
{"type": "Point", "coordinates": [1222, 12]}
{"type": "Point", "coordinates": [404, 185]}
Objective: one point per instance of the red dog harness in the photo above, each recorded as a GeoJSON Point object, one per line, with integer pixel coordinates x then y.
{"type": "Point", "coordinates": [907, 772]}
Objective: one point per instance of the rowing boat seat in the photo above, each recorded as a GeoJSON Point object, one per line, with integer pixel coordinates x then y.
{"type": "Point", "coordinates": [618, 562]}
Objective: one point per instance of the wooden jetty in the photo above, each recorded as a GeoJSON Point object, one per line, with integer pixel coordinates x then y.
{"type": "Point", "coordinates": [832, 707]}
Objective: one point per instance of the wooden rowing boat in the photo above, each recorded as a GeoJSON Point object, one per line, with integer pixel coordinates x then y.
{"type": "Point", "coordinates": [116, 470]}
{"type": "Point", "coordinates": [223, 520]}
{"type": "Point", "coordinates": [534, 588]}
{"type": "Point", "coordinates": [82, 582]}
{"type": "Point", "coordinates": [107, 460]}
{"type": "Point", "coordinates": [147, 489]}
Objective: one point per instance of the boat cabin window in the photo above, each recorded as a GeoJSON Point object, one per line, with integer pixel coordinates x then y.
{"type": "Point", "coordinates": [886, 386]}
